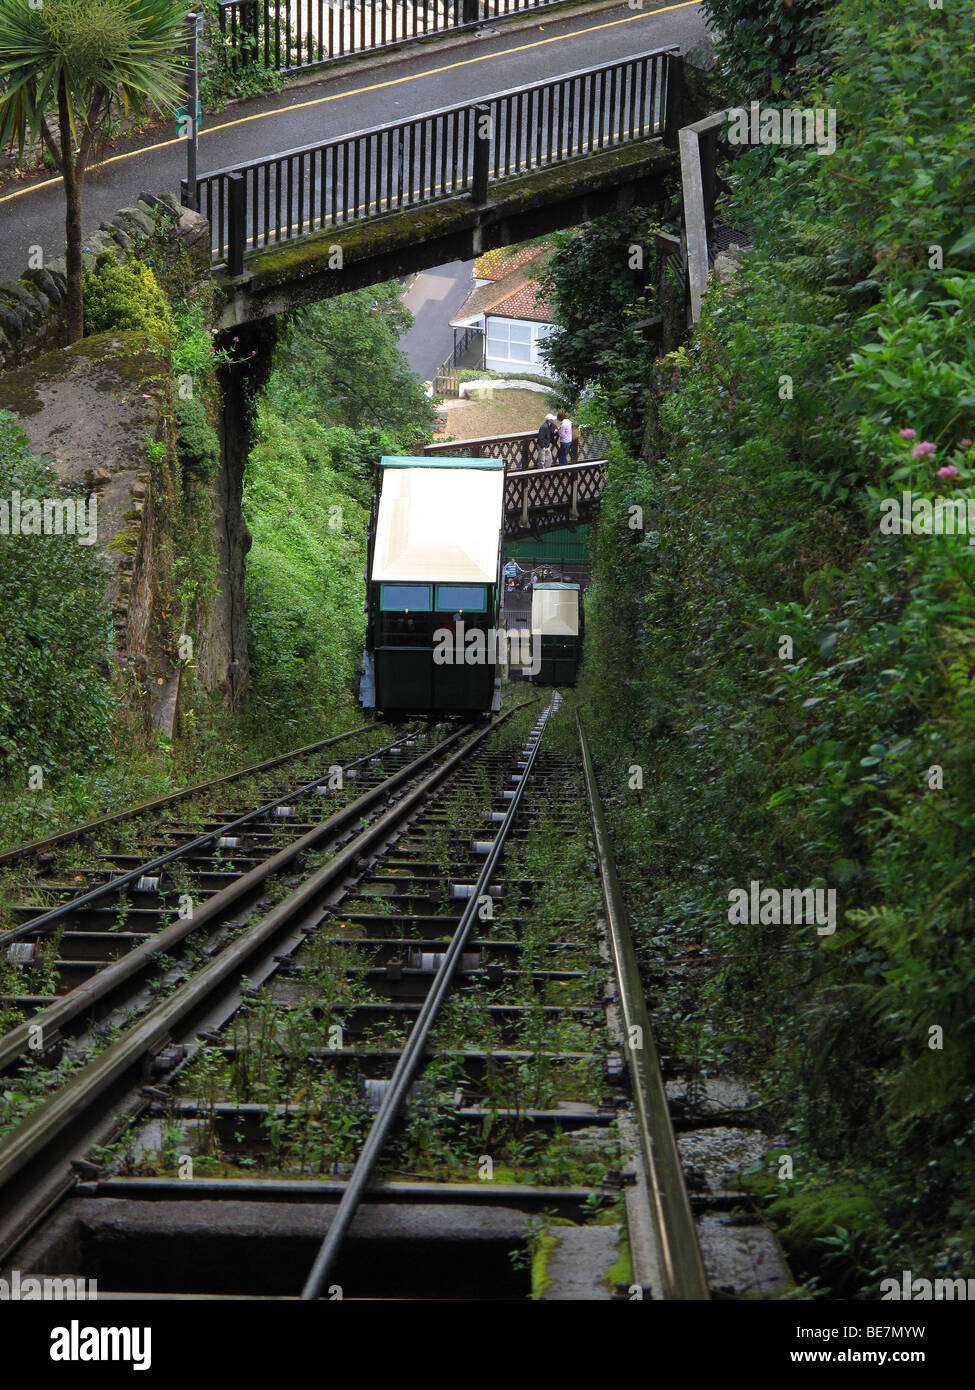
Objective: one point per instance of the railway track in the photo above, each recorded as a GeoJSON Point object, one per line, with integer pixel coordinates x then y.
{"type": "Point", "coordinates": [87, 910]}
{"type": "Point", "coordinates": [425, 1072]}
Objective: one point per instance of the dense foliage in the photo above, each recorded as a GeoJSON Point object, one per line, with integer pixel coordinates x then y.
{"type": "Point", "coordinates": [339, 361]}
{"type": "Point", "coordinates": [764, 42]}
{"type": "Point", "coordinates": [796, 684]}
{"type": "Point", "coordinates": [122, 295]}
{"type": "Point", "coordinates": [339, 397]}
{"type": "Point", "coordinates": [596, 341]}
{"type": "Point", "coordinates": [54, 696]}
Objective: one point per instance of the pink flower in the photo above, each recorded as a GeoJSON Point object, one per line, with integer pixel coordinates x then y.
{"type": "Point", "coordinates": [819, 419]}
{"type": "Point", "coordinates": [924, 450]}
{"type": "Point", "coordinates": [731, 405]}
{"type": "Point", "coordinates": [907, 434]}
{"type": "Point", "coordinates": [949, 471]}
{"type": "Point", "coordinates": [965, 443]}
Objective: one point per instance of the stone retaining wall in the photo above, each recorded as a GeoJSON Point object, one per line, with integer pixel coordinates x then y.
{"type": "Point", "coordinates": [31, 318]}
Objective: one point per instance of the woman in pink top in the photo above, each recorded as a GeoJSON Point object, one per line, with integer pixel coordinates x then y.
{"type": "Point", "coordinates": [565, 438]}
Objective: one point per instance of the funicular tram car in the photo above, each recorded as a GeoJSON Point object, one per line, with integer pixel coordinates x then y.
{"type": "Point", "coordinates": [557, 629]}
{"type": "Point", "coordinates": [433, 567]}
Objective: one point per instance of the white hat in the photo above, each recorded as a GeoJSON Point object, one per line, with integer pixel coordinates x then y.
{"type": "Point", "coordinates": [550, 417]}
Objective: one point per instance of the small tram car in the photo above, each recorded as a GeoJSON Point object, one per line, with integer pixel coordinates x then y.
{"type": "Point", "coordinates": [557, 632]}
{"type": "Point", "coordinates": [433, 581]}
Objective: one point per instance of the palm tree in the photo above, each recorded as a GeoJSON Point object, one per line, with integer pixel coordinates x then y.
{"type": "Point", "coordinates": [65, 65]}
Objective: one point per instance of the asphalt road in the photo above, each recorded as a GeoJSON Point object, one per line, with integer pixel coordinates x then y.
{"type": "Point", "coordinates": [433, 298]}
{"type": "Point", "coordinates": [32, 214]}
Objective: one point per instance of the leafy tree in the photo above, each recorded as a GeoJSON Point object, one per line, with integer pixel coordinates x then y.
{"type": "Point", "coordinates": [599, 280]}
{"type": "Point", "coordinates": [762, 42]}
{"type": "Point", "coordinates": [340, 363]}
{"type": "Point", "coordinates": [65, 66]}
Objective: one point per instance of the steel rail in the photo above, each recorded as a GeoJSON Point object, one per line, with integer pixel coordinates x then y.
{"type": "Point", "coordinates": [113, 817]}
{"type": "Point", "coordinates": [122, 881]}
{"type": "Point", "coordinates": [413, 1049]}
{"type": "Point", "coordinates": [40, 1129]}
{"type": "Point", "coordinates": [105, 981]}
{"type": "Point", "coordinates": [680, 1255]}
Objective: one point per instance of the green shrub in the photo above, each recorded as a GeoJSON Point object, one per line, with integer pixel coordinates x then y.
{"type": "Point", "coordinates": [199, 445]}
{"type": "Point", "coordinates": [762, 42]}
{"type": "Point", "coordinates": [305, 587]}
{"type": "Point", "coordinates": [54, 693]}
{"type": "Point", "coordinates": [123, 296]}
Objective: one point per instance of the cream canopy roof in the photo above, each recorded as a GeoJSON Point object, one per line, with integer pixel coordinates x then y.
{"type": "Point", "coordinates": [555, 612]}
{"type": "Point", "coordinates": [439, 524]}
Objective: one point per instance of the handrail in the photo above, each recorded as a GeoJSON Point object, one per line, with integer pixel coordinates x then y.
{"type": "Point", "coordinates": [697, 144]}
{"type": "Point", "coordinates": [446, 110]}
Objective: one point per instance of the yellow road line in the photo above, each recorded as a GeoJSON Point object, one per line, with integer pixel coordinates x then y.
{"type": "Point", "coordinates": [357, 91]}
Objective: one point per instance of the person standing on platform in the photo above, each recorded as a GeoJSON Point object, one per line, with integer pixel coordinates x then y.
{"type": "Point", "coordinates": [565, 439]}
{"type": "Point", "coordinates": [547, 439]}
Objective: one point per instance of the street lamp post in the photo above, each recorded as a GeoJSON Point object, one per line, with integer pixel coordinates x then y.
{"type": "Point", "coordinates": [194, 28]}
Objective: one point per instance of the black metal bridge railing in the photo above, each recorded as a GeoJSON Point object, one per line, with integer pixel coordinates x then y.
{"type": "Point", "coordinates": [289, 35]}
{"type": "Point", "coordinates": [458, 150]}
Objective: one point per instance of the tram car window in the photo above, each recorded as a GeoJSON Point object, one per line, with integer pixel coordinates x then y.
{"type": "Point", "coordinates": [557, 632]}
{"type": "Point", "coordinates": [432, 587]}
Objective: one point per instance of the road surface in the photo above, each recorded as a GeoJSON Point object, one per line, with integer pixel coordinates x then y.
{"type": "Point", "coordinates": [32, 214]}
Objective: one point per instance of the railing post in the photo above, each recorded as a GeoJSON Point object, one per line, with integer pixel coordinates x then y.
{"type": "Point", "coordinates": [526, 451]}
{"type": "Point", "coordinates": [673, 116]}
{"type": "Point", "coordinates": [574, 506]}
{"type": "Point", "coordinates": [524, 502]}
{"type": "Point", "coordinates": [236, 224]}
{"type": "Point", "coordinates": [483, 122]}
{"type": "Point", "coordinates": [469, 11]}
{"type": "Point", "coordinates": [709, 166]}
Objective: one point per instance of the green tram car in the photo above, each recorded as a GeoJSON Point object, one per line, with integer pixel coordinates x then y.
{"type": "Point", "coordinates": [432, 588]}
{"type": "Point", "coordinates": [557, 629]}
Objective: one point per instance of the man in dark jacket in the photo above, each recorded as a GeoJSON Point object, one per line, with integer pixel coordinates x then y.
{"type": "Point", "coordinates": [546, 438]}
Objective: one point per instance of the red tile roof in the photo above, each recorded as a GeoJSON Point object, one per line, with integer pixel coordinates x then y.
{"type": "Point", "coordinates": [524, 302]}
{"type": "Point", "coordinates": [515, 294]}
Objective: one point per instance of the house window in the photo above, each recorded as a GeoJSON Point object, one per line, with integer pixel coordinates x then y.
{"type": "Point", "coordinates": [509, 340]}
{"type": "Point", "coordinates": [540, 331]}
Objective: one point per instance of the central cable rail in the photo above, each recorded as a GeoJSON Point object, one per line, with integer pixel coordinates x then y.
{"type": "Point", "coordinates": [412, 1054]}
